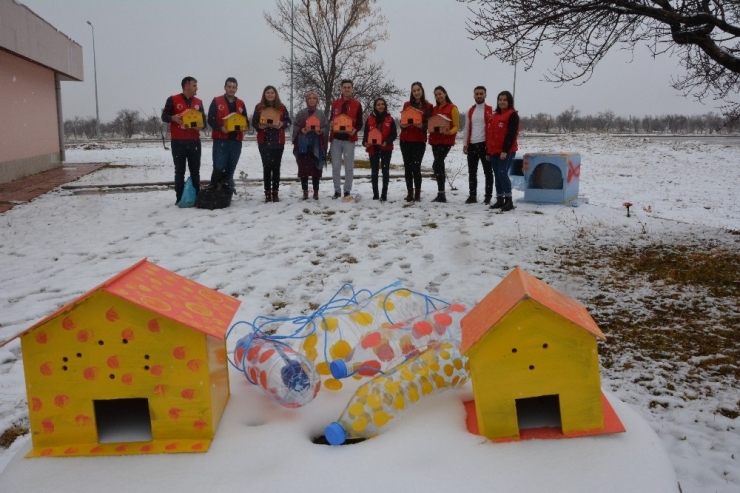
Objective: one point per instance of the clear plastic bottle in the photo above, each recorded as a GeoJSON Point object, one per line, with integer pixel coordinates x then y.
{"type": "Point", "coordinates": [284, 374]}
{"type": "Point", "coordinates": [377, 403]}
{"type": "Point", "coordinates": [385, 347]}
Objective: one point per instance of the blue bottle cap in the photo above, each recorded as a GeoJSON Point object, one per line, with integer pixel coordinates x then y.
{"type": "Point", "coordinates": [338, 369]}
{"type": "Point", "coordinates": [335, 434]}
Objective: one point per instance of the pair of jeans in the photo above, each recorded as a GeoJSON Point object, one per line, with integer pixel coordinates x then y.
{"type": "Point", "coordinates": [186, 153]}
{"type": "Point", "coordinates": [225, 158]}
{"type": "Point", "coordinates": [413, 153]}
{"type": "Point", "coordinates": [342, 149]}
{"type": "Point", "coordinates": [501, 173]}
{"type": "Point", "coordinates": [440, 153]}
{"type": "Point", "coordinates": [380, 160]}
{"type": "Point", "coordinates": [272, 158]}
{"type": "Point", "coordinates": [476, 153]}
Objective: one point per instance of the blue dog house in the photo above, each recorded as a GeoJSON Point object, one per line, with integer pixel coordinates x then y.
{"type": "Point", "coordinates": [551, 178]}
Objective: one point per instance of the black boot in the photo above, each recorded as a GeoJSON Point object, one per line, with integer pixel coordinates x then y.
{"type": "Point", "coordinates": [487, 201]}
{"type": "Point", "coordinates": [472, 199]}
{"type": "Point", "coordinates": [498, 204]}
{"type": "Point", "coordinates": [384, 191]}
{"type": "Point", "coordinates": [410, 195]}
{"type": "Point", "coordinates": [268, 196]}
{"type": "Point", "coordinates": [374, 180]}
{"type": "Point", "coordinates": [417, 195]}
{"type": "Point", "coordinates": [508, 204]}
{"type": "Point", "coordinates": [440, 197]}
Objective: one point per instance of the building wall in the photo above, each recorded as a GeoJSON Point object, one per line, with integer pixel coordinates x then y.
{"type": "Point", "coordinates": [29, 142]}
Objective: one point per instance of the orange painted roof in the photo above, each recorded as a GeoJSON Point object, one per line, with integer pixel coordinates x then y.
{"type": "Point", "coordinates": [165, 293]}
{"type": "Point", "coordinates": [516, 287]}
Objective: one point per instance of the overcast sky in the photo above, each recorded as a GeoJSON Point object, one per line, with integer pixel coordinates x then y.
{"type": "Point", "coordinates": [145, 47]}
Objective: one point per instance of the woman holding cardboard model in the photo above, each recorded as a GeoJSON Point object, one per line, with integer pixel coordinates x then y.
{"type": "Point", "coordinates": [380, 132]}
{"type": "Point", "coordinates": [416, 111]}
{"type": "Point", "coordinates": [310, 138]}
{"type": "Point", "coordinates": [271, 118]}
{"type": "Point", "coordinates": [501, 147]}
{"type": "Point", "coordinates": [442, 126]}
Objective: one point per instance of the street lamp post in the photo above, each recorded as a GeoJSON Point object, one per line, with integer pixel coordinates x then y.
{"type": "Point", "coordinates": [95, 68]}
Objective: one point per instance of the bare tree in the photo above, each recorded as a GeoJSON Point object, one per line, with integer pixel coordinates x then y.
{"type": "Point", "coordinates": [333, 40]}
{"type": "Point", "coordinates": [128, 122]}
{"type": "Point", "coordinates": [704, 34]}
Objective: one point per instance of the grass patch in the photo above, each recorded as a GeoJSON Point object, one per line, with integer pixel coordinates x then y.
{"type": "Point", "coordinates": [17, 429]}
{"type": "Point", "coordinates": [362, 164]}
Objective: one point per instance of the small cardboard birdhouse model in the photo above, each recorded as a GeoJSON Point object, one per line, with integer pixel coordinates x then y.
{"type": "Point", "coordinates": [192, 119]}
{"type": "Point", "coordinates": [439, 124]}
{"type": "Point", "coordinates": [137, 365]}
{"type": "Point", "coordinates": [270, 117]}
{"type": "Point", "coordinates": [235, 122]}
{"type": "Point", "coordinates": [411, 116]}
{"type": "Point", "coordinates": [313, 123]}
{"type": "Point", "coordinates": [534, 364]}
{"type": "Point", "coordinates": [374, 137]}
{"type": "Point", "coordinates": [342, 124]}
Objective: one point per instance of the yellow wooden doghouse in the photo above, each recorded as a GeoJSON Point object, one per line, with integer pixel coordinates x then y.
{"type": "Point", "coordinates": [235, 122]}
{"type": "Point", "coordinates": [342, 124]}
{"type": "Point", "coordinates": [439, 124]}
{"type": "Point", "coordinates": [532, 347]}
{"type": "Point", "coordinates": [192, 118]}
{"type": "Point", "coordinates": [411, 116]}
{"type": "Point", "coordinates": [136, 365]}
{"type": "Point", "coordinates": [270, 117]}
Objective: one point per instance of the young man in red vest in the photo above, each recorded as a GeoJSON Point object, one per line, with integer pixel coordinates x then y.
{"type": "Point", "coordinates": [343, 144]}
{"type": "Point", "coordinates": [185, 142]}
{"type": "Point", "coordinates": [478, 118]}
{"type": "Point", "coordinates": [227, 146]}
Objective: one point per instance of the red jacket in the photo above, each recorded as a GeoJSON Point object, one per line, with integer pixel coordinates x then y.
{"type": "Point", "coordinates": [438, 138]}
{"type": "Point", "coordinates": [496, 133]}
{"type": "Point", "coordinates": [387, 129]}
{"type": "Point", "coordinates": [487, 116]}
{"type": "Point", "coordinates": [353, 110]}
{"type": "Point", "coordinates": [415, 134]}
{"type": "Point", "coordinates": [267, 135]}
{"type": "Point", "coordinates": [222, 111]}
{"type": "Point", "coordinates": [179, 105]}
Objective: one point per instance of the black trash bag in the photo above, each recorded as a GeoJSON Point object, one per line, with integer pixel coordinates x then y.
{"type": "Point", "coordinates": [217, 195]}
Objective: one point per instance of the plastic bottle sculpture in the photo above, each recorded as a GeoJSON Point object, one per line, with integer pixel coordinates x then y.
{"type": "Point", "coordinates": [381, 400]}
{"type": "Point", "coordinates": [284, 374]}
{"type": "Point", "coordinates": [384, 348]}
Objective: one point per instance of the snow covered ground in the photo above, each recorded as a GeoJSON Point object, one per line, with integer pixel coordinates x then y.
{"type": "Point", "coordinates": [279, 258]}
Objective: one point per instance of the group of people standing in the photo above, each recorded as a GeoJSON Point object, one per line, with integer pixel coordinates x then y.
{"type": "Point", "coordinates": [490, 138]}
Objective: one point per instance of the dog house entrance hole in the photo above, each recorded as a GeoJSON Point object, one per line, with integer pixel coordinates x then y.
{"type": "Point", "coordinates": [123, 420]}
{"type": "Point", "coordinates": [539, 412]}
{"type": "Point", "coordinates": [546, 176]}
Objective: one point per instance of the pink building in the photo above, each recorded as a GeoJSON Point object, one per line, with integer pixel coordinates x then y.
{"type": "Point", "coordinates": [34, 58]}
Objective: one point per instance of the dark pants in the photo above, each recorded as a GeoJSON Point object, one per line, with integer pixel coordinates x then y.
{"type": "Point", "coordinates": [380, 160]}
{"type": "Point", "coordinates": [413, 153]}
{"type": "Point", "coordinates": [440, 153]}
{"type": "Point", "coordinates": [477, 152]}
{"type": "Point", "coordinates": [304, 183]}
{"type": "Point", "coordinates": [186, 152]}
{"type": "Point", "coordinates": [271, 160]}
{"type": "Point", "coordinates": [225, 158]}
{"type": "Point", "coordinates": [501, 171]}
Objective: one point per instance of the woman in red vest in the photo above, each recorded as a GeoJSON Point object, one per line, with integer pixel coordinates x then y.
{"type": "Point", "coordinates": [414, 142]}
{"type": "Point", "coordinates": [501, 146]}
{"type": "Point", "coordinates": [443, 141]}
{"type": "Point", "coordinates": [380, 153]}
{"type": "Point", "coordinates": [271, 141]}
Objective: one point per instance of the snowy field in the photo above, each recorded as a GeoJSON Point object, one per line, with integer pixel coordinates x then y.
{"type": "Point", "coordinates": [279, 258]}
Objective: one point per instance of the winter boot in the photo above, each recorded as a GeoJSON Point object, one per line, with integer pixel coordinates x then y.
{"type": "Point", "coordinates": [417, 195]}
{"type": "Point", "coordinates": [487, 201]}
{"type": "Point", "coordinates": [498, 204]}
{"type": "Point", "coordinates": [440, 197]}
{"type": "Point", "coordinates": [384, 193]}
{"type": "Point", "coordinates": [305, 195]}
{"type": "Point", "coordinates": [374, 180]}
{"type": "Point", "coordinates": [472, 199]}
{"type": "Point", "coordinates": [268, 196]}
{"type": "Point", "coordinates": [316, 195]}
{"type": "Point", "coordinates": [508, 204]}
{"type": "Point", "coordinates": [410, 195]}
{"type": "Point", "coordinates": [275, 196]}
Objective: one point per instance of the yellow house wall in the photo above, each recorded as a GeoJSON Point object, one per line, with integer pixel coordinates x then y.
{"type": "Point", "coordinates": [218, 377]}
{"type": "Point", "coordinates": [500, 370]}
{"type": "Point", "coordinates": [234, 120]}
{"type": "Point", "coordinates": [106, 348]}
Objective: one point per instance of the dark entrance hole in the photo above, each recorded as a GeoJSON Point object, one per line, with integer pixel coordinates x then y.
{"type": "Point", "coordinates": [546, 176]}
{"type": "Point", "coordinates": [538, 412]}
{"type": "Point", "coordinates": [321, 440]}
{"type": "Point", "coordinates": [123, 420]}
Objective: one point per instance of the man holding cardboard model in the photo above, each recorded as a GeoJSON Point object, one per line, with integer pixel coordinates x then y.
{"type": "Point", "coordinates": [346, 116]}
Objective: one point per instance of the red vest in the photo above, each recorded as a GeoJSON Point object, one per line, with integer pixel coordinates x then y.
{"type": "Point", "coordinates": [438, 138]}
{"type": "Point", "coordinates": [496, 133]}
{"type": "Point", "coordinates": [261, 131]}
{"type": "Point", "coordinates": [487, 116]}
{"type": "Point", "coordinates": [178, 106]}
{"type": "Point", "coordinates": [385, 130]}
{"type": "Point", "coordinates": [222, 111]}
{"type": "Point", "coordinates": [412, 133]}
{"type": "Point", "coordinates": [353, 111]}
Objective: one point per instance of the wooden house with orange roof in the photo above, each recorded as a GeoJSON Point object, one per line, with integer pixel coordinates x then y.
{"type": "Point", "coordinates": [534, 364]}
{"type": "Point", "coordinates": [136, 365]}
{"type": "Point", "coordinates": [411, 116]}
{"type": "Point", "coordinates": [375, 137]}
{"type": "Point", "coordinates": [342, 124]}
{"type": "Point", "coordinates": [271, 117]}
{"type": "Point", "coordinates": [192, 118]}
{"type": "Point", "coordinates": [313, 123]}
{"type": "Point", "coordinates": [439, 124]}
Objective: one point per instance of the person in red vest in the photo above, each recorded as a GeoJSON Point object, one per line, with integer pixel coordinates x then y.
{"type": "Point", "coordinates": [414, 142]}
{"type": "Point", "coordinates": [380, 153]}
{"type": "Point", "coordinates": [343, 144]}
{"type": "Point", "coordinates": [501, 145]}
{"type": "Point", "coordinates": [185, 142]}
{"type": "Point", "coordinates": [227, 146]}
{"type": "Point", "coordinates": [478, 118]}
{"type": "Point", "coordinates": [271, 141]}
{"type": "Point", "coordinates": [443, 141]}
